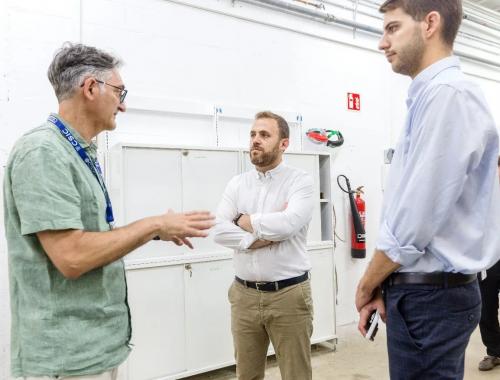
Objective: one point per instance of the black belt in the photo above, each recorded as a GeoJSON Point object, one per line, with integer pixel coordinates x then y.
{"type": "Point", "coordinates": [442, 279]}
{"type": "Point", "coordinates": [273, 285]}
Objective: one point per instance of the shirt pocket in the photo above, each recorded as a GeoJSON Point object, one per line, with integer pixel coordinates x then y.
{"type": "Point", "coordinates": [93, 206]}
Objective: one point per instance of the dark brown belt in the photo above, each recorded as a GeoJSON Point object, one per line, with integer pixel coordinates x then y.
{"type": "Point", "coordinates": [442, 279]}
{"type": "Point", "coordinates": [273, 285]}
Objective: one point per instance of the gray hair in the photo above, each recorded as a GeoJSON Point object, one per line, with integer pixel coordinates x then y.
{"type": "Point", "coordinates": [73, 63]}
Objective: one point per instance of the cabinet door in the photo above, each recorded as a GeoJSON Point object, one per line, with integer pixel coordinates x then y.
{"type": "Point", "coordinates": [156, 299]}
{"type": "Point", "coordinates": [310, 164]}
{"type": "Point", "coordinates": [246, 163]}
{"type": "Point", "coordinates": [205, 175]}
{"type": "Point", "coordinates": [323, 293]}
{"type": "Point", "coordinates": [208, 314]}
{"type": "Point", "coordinates": [151, 185]}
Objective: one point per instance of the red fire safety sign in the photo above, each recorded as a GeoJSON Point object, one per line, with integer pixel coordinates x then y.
{"type": "Point", "coordinates": [353, 101]}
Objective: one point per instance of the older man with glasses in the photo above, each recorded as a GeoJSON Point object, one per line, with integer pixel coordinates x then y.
{"type": "Point", "coordinates": [68, 291]}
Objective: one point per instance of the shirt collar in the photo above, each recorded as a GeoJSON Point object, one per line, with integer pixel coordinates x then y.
{"type": "Point", "coordinates": [428, 74]}
{"type": "Point", "coordinates": [270, 173]}
{"type": "Point", "coordinates": [76, 135]}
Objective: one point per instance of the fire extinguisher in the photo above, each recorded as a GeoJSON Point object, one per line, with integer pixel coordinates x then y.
{"type": "Point", "coordinates": [358, 235]}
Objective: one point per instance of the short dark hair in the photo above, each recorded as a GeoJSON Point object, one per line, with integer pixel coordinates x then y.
{"type": "Point", "coordinates": [450, 11]}
{"type": "Point", "coordinates": [73, 62]}
{"type": "Point", "coordinates": [498, 160]}
{"type": "Point", "coordinates": [282, 124]}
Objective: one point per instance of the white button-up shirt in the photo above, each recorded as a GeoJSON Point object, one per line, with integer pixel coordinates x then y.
{"type": "Point", "coordinates": [280, 205]}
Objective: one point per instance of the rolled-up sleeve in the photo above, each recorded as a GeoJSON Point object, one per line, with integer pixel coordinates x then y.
{"type": "Point", "coordinates": [279, 226]}
{"type": "Point", "coordinates": [442, 152]}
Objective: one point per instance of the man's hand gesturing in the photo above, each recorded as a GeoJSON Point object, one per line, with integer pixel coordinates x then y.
{"type": "Point", "coordinates": [177, 227]}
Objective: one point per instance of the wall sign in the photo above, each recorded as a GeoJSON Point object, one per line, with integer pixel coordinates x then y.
{"type": "Point", "coordinates": [353, 101]}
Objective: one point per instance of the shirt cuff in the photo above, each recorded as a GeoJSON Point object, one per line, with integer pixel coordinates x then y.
{"type": "Point", "coordinates": [255, 220]}
{"type": "Point", "coordinates": [405, 255]}
{"type": "Point", "coordinates": [247, 241]}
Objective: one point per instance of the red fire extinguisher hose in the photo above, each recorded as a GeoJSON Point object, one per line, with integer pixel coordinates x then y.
{"type": "Point", "coordinates": [358, 234]}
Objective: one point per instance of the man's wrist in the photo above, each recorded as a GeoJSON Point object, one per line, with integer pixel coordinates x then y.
{"type": "Point", "coordinates": [155, 226]}
{"type": "Point", "coordinates": [237, 218]}
{"type": "Point", "coordinates": [260, 244]}
{"type": "Point", "coordinates": [366, 287]}
{"type": "Point", "coordinates": [245, 223]}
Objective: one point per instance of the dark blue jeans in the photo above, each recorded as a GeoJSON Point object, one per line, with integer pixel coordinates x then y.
{"type": "Point", "coordinates": [428, 329]}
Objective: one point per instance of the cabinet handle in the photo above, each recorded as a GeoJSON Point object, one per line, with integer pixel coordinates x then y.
{"type": "Point", "coordinates": [189, 268]}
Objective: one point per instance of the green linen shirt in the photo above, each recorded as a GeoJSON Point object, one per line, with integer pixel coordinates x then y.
{"type": "Point", "coordinates": [60, 327]}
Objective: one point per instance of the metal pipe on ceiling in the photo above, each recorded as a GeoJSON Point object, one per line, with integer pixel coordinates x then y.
{"type": "Point", "coordinates": [313, 13]}
{"type": "Point", "coordinates": [478, 20]}
{"type": "Point", "coordinates": [482, 11]}
{"type": "Point", "coordinates": [472, 46]}
{"type": "Point", "coordinates": [351, 9]}
{"type": "Point", "coordinates": [475, 13]}
{"type": "Point", "coordinates": [330, 18]}
{"type": "Point", "coordinates": [482, 40]}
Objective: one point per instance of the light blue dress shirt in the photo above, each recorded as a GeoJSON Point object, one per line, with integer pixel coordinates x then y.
{"type": "Point", "coordinates": [441, 207]}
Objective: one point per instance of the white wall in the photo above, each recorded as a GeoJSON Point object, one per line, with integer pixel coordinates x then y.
{"type": "Point", "coordinates": [218, 59]}
{"type": "Point", "coordinates": [178, 52]}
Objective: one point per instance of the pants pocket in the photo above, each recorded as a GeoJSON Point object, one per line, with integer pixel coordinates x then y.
{"type": "Point", "coordinates": [305, 289]}
{"type": "Point", "coordinates": [230, 292]}
{"type": "Point", "coordinates": [411, 331]}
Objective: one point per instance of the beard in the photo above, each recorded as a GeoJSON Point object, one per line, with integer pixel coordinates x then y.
{"type": "Point", "coordinates": [265, 158]}
{"type": "Point", "coordinates": [410, 57]}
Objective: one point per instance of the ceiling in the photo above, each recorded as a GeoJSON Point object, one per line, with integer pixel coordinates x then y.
{"type": "Point", "coordinates": [491, 4]}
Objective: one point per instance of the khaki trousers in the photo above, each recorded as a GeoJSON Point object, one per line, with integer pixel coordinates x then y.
{"type": "Point", "coordinates": [283, 317]}
{"type": "Point", "coordinates": [118, 373]}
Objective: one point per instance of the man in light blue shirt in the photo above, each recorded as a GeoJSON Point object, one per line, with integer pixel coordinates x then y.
{"type": "Point", "coordinates": [441, 212]}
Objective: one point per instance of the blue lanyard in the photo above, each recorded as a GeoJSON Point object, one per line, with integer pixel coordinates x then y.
{"type": "Point", "coordinates": [91, 164]}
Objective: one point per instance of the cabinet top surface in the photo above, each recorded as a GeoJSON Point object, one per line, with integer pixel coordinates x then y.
{"type": "Point", "coordinates": [123, 146]}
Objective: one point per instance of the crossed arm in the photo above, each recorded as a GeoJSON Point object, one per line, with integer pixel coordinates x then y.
{"type": "Point", "coordinates": [259, 230]}
{"type": "Point", "coordinates": [245, 224]}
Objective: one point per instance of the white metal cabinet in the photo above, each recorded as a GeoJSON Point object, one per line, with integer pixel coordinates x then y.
{"type": "Point", "coordinates": [181, 319]}
{"type": "Point", "coordinates": [205, 174]}
{"type": "Point", "coordinates": [208, 315]}
{"type": "Point", "coordinates": [151, 185]}
{"type": "Point", "coordinates": [323, 287]}
{"type": "Point", "coordinates": [154, 180]}
{"type": "Point", "coordinates": [157, 300]}
{"type": "Point", "coordinates": [310, 164]}
{"type": "Point", "coordinates": [178, 297]}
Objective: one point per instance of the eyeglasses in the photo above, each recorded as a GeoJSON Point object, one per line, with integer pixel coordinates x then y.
{"type": "Point", "coordinates": [123, 92]}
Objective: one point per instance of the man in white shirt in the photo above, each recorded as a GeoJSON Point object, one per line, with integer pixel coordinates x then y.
{"type": "Point", "coordinates": [264, 216]}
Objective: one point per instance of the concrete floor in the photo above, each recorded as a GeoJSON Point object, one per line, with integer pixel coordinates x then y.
{"type": "Point", "coordinates": [359, 359]}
